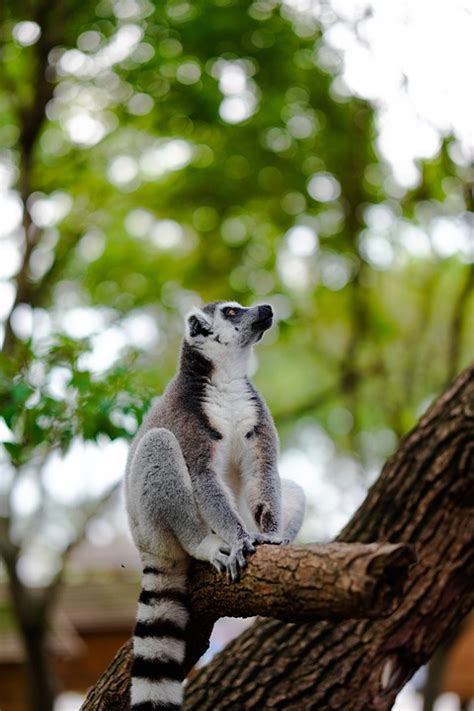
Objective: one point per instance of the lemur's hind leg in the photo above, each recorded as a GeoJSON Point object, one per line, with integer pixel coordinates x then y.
{"type": "Point", "coordinates": [293, 509]}
{"type": "Point", "coordinates": [167, 502]}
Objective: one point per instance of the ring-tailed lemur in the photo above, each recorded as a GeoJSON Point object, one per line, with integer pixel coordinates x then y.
{"type": "Point", "coordinates": [201, 481]}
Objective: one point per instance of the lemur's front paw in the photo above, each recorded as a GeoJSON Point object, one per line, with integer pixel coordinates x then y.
{"type": "Point", "coordinates": [272, 539]}
{"type": "Point", "coordinates": [236, 560]}
{"type": "Point", "coordinates": [220, 559]}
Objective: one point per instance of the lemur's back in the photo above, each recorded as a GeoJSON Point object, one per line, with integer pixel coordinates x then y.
{"type": "Point", "coordinates": [180, 411]}
{"type": "Point", "coordinates": [155, 417]}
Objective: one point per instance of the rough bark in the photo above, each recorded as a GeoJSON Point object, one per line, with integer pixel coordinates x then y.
{"type": "Point", "coordinates": [424, 497]}
{"type": "Point", "coordinates": [333, 581]}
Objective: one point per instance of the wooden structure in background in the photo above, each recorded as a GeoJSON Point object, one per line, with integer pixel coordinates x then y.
{"type": "Point", "coordinates": [92, 621]}
{"type": "Point", "coordinates": [458, 675]}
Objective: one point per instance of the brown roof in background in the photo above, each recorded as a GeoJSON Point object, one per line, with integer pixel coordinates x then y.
{"type": "Point", "coordinates": [118, 555]}
{"type": "Point", "coordinates": [458, 675]}
{"type": "Point", "coordinates": [100, 594]}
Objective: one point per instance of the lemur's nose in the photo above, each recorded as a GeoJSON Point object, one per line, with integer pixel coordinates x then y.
{"type": "Point", "coordinates": [265, 311]}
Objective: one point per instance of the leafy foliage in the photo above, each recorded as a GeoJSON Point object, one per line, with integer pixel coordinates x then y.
{"type": "Point", "coordinates": [51, 400]}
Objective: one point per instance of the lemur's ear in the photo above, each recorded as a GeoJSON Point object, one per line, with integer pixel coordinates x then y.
{"type": "Point", "coordinates": [198, 324]}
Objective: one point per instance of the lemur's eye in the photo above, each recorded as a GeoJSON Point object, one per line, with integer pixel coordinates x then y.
{"type": "Point", "coordinates": [229, 311]}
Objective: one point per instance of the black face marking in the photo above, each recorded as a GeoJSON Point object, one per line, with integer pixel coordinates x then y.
{"type": "Point", "coordinates": [197, 327]}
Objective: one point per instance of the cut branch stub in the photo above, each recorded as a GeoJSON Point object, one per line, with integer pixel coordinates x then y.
{"type": "Point", "coordinates": [301, 583]}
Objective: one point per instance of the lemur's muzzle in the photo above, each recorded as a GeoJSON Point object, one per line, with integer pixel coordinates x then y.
{"type": "Point", "coordinates": [264, 318]}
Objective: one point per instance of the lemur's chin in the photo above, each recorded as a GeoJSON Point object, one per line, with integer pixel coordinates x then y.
{"type": "Point", "coordinates": [261, 326]}
{"type": "Point", "coordinates": [266, 324]}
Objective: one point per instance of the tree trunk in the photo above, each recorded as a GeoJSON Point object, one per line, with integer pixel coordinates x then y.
{"type": "Point", "coordinates": [41, 679]}
{"type": "Point", "coordinates": [424, 497]}
{"type": "Point", "coordinates": [32, 610]}
{"type": "Point", "coordinates": [434, 677]}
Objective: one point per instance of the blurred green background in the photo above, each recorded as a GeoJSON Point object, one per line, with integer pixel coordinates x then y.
{"type": "Point", "coordinates": [159, 155]}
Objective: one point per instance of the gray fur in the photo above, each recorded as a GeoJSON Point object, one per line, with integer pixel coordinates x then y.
{"type": "Point", "coordinates": [202, 478]}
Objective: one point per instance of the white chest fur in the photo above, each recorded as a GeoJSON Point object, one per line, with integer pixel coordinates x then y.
{"type": "Point", "coordinates": [231, 411]}
{"type": "Point", "coordinates": [228, 405]}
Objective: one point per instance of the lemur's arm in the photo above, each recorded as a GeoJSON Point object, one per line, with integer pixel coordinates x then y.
{"type": "Point", "coordinates": [216, 508]}
{"type": "Point", "coordinates": [223, 519]}
{"type": "Point", "coordinates": [262, 481]}
{"type": "Point", "coordinates": [267, 509]}
{"type": "Point", "coordinates": [263, 486]}
{"type": "Point", "coordinates": [266, 503]}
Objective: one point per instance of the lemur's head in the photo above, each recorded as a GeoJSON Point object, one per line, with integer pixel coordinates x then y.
{"type": "Point", "coordinates": [224, 327]}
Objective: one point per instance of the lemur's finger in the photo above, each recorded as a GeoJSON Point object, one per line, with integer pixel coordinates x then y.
{"type": "Point", "coordinates": [249, 546]}
{"type": "Point", "coordinates": [233, 570]}
{"type": "Point", "coordinates": [241, 559]}
{"type": "Point", "coordinates": [219, 566]}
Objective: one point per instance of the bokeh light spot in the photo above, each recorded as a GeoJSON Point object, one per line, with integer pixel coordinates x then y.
{"type": "Point", "coordinates": [140, 104]}
{"type": "Point", "coordinates": [302, 241]}
{"type": "Point", "coordinates": [188, 73]}
{"type": "Point", "coordinates": [167, 234]}
{"type": "Point", "coordinates": [26, 33]}
{"type": "Point", "coordinates": [323, 187]}
{"type": "Point", "coordinates": [122, 170]}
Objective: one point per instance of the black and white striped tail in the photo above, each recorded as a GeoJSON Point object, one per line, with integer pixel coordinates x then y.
{"type": "Point", "coordinates": [159, 642]}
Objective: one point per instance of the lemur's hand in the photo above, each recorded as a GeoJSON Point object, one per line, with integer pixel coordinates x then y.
{"type": "Point", "coordinates": [220, 558]}
{"type": "Point", "coordinates": [236, 560]}
{"type": "Point", "coordinates": [272, 539]}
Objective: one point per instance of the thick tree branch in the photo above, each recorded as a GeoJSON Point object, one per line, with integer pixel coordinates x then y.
{"type": "Point", "coordinates": [332, 581]}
